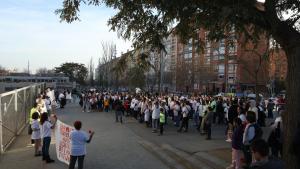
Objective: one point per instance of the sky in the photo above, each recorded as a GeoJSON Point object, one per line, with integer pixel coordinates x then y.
{"type": "Point", "coordinates": [30, 31]}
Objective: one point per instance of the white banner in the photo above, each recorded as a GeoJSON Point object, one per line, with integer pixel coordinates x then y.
{"type": "Point", "coordinates": [63, 141]}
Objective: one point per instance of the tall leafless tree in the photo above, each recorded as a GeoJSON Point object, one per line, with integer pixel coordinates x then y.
{"type": "Point", "coordinates": [104, 68]}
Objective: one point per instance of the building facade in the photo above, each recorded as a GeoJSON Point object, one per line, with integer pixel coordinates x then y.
{"type": "Point", "coordinates": [18, 80]}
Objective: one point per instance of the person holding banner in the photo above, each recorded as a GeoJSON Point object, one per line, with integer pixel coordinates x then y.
{"type": "Point", "coordinates": [79, 139]}
{"type": "Point", "coordinates": [46, 135]}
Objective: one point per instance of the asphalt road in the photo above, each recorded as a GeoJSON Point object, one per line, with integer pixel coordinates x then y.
{"type": "Point", "coordinates": [128, 146]}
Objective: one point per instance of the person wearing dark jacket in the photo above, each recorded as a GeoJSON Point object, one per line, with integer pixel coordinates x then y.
{"type": "Point", "coordinates": [232, 114]}
{"type": "Point", "coordinates": [260, 151]}
{"type": "Point", "coordinates": [119, 109]}
{"type": "Point", "coordinates": [236, 144]}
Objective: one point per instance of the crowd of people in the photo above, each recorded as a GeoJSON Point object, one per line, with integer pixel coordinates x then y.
{"type": "Point", "coordinates": [43, 119]}
{"type": "Point", "coordinates": [244, 118]}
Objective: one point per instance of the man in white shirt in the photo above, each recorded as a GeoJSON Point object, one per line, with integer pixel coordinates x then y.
{"type": "Point", "coordinates": [176, 116]}
{"type": "Point", "coordinates": [185, 118]}
{"type": "Point", "coordinates": [155, 117]}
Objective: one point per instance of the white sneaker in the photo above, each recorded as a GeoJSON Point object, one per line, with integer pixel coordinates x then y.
{"type": "Point", "coordinates": [229, 140]}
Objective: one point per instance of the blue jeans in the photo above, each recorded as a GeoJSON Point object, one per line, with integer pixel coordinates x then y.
{"type": "Point", "coordinates": [73, 160]}
{"type": "Point", "coordinates": [155, 124]}
{"type": "Point", "coordinates": [45, 148]}
{"type": "Point", "coordinates": [119, 114]}
{"type": "Point", "coordinates": [176, 120]}
{"type": "Point", "coordinates": [196, 119]}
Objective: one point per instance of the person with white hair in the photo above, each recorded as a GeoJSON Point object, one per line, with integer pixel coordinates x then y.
{"type": "Point", "coordinates": [253, 108]}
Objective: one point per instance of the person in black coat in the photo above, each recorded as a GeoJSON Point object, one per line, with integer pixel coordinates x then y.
{"type": "Point", "coordinates": [232, 114]}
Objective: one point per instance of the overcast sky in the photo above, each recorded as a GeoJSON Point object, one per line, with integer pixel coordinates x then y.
{"type": "Point", "coordinates": [30, 30]}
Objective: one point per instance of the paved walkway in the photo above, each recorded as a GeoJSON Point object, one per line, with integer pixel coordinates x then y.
{"type": "Point", "coordinates": [128, 146]}
{"type": "Point", "coordinates": [113, 146]}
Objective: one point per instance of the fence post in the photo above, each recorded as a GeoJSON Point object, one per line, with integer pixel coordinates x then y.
{"type": "Point", "coordinates": [25, 106]}
{"type": "Point", "coordinates": [1, 134]}
{"type": "Point", "coordinates": [16, 110]}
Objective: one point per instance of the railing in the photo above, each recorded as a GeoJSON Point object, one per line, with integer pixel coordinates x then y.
{"type": "Point", "coordinates": [14, 112]}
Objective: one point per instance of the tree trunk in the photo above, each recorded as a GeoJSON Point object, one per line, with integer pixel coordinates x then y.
{"type": "Point", "coordinates": [257, 99]}
{"type": "Point", "coordinates": [158, 80]}
{"type": "Point", "coordinates": [291, 118]}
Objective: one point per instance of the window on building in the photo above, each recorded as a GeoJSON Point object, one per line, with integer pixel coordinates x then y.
{"type": "Point", "coordinates": [207, 44]}
{"type": "Point", "coordinates": [222, 43]}
{"type": "Point", "coordinates": [207, 60]}
{"type": "Point", "coordinates": [232, 50]}
{"type": "Point", "coordinates": [222, 50]}
{"type": "Point", "coordinates": [215, 52]}
{"type": "Point", "coordinates": [231, 67]}
{"type": "Point", "coordinates": [216, 57]}
{"type": "Point", "coordinates": [221, 57]}
{"type": "Point", "coordinates": [232, 30]}
{"type": "Point", "coordinates": [215, 68]}
{"type": "Point", "coordinates": [221, 68]}
{"type": "Point", "coordinates": [207, 51]}
{"type": "Point", "coordinates": [187, 55]}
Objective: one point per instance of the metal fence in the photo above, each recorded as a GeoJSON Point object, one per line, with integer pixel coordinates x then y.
{"type": "Point", "coordinates": [14, 112]}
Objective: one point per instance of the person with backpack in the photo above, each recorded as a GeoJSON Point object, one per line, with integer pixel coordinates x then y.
{"type": "Point", "coordinates": [252, 132]}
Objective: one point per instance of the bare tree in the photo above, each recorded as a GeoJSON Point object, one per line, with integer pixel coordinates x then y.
{"type": "Point", "coordinates": [256, 71]}
{"type": "Point", "coordinates": [91, 68]}
{"type": "Point", "coordinates": [44, 70]}
{"type": "Point", "coordinates": [3, 71]}
{"type": "Point", "coordinates": [104, 69]}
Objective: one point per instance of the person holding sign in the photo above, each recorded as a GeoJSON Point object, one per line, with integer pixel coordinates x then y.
{"type": "Point", "coordinates": [46, 127]}
{"type": "Point", "coordinates": [79, 139]}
